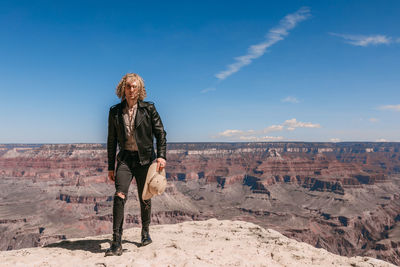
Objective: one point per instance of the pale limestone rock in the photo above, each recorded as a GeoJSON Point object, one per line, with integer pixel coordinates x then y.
{"type": "Point", "coordinates": [192, 243]}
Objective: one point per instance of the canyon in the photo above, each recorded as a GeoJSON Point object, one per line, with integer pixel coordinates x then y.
{"type": "Point", "coordinates": [343, 197]}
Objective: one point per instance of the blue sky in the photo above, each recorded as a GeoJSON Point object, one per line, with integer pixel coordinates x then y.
{"type": "Point", "coordinates": [322, 71]}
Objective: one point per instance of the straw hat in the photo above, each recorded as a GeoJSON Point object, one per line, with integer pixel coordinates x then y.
{"type": "Point", "coordinates": [155, 182]}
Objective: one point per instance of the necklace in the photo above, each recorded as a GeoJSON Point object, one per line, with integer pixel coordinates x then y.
{"type": "Point", "coordinates": [130, 113]}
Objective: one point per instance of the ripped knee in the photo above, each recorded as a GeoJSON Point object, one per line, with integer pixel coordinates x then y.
{"type": "Point", "coordinates": [120, 194]}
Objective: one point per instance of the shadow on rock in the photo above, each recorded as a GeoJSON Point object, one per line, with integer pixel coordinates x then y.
{"type": "Point", "coordinates": [93, 246]}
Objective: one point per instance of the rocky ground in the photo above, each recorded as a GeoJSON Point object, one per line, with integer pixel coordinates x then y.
{"type": "Point", "coordinates": [199, 243]}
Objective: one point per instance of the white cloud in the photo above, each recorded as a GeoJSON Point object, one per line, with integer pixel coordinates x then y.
{"type": "Point", "coordinates": [230, 133]}
{"type": "Point", "coordinates": [364, 40]}
{"type": "Point", "coordinates": [373, 120]}
{"type": "Point", "coordinates": [272, 128]}
{"type": "Point", "coordinates": [208, 90]}
{"type": "Point", "coordinates": [273, 36]}
{"type": "Point", "coordinates": [262, 138]}
{"type": "Point", "coordinates": [390, 107]}
{"type": "Point", "coordinates": [335, 140]}
{"type": "Point", "coordinates": [290, 99]}
{"type": "Point", "coordinates": [258, 135]}
{"type": "Point", "coordinates": [381, 140]}
{"type": "Point", "coordinates": [293, 124]}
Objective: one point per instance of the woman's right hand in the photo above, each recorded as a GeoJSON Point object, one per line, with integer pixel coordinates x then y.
{"type": "Point", "coordinates": [111, 175]}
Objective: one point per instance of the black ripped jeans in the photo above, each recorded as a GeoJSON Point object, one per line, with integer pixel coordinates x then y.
{"type": "Point", "coordinates": [127, 167]}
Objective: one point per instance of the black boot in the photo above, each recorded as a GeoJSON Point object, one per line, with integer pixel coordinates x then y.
{"type": "Point", "coordinates": [121, 228]}
{"type": "Point", "coordinates": [118, 220]}
{"type": "Point", "coordinates": [145, 236]}
{"type": "Point", "coordinates": [116, 247]}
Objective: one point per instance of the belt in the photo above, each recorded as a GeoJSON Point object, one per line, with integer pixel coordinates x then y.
{"type": "Point", "coordinates": [130, 154]}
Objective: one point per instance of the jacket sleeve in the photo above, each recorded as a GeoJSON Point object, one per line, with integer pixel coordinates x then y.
{"type": "Point", "coordinates": [159, 133]}
{"type": "Point", "coordinates": [111, 142]}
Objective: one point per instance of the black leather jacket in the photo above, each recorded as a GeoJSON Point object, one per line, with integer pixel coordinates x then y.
{"type": "Point", "coordinates": [148, 125]}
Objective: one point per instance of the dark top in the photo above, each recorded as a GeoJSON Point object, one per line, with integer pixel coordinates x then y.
{"type": "Point", "coordinates": [148, 125]}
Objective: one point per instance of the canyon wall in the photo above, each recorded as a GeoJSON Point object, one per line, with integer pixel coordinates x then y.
{"type": "Point", "coordinates": [343, 197]}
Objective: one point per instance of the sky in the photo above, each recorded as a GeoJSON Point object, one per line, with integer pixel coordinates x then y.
{"type": "Point", "coordinates": [217, 71]}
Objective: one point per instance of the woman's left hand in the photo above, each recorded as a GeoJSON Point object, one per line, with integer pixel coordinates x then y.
{"type": "Point", "coordinates": [161, 163]}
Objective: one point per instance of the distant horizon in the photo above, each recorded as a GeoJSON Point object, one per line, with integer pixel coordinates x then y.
{"type": "Point", "coordinates": [211, 142]}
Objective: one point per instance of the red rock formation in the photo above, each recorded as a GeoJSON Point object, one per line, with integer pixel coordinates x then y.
{"type": "Point", "coordinates": [339, 196]}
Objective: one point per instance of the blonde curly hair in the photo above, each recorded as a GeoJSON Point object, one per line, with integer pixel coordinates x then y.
{"type": "Point", "coordinates": [120, 90]}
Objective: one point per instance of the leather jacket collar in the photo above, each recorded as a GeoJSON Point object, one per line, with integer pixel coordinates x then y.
{"type": "Point", "coordinates": [140, 113]}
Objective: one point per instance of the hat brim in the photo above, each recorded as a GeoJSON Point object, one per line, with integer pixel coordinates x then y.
{"type": "Point", "coordinates": [146, 194]}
